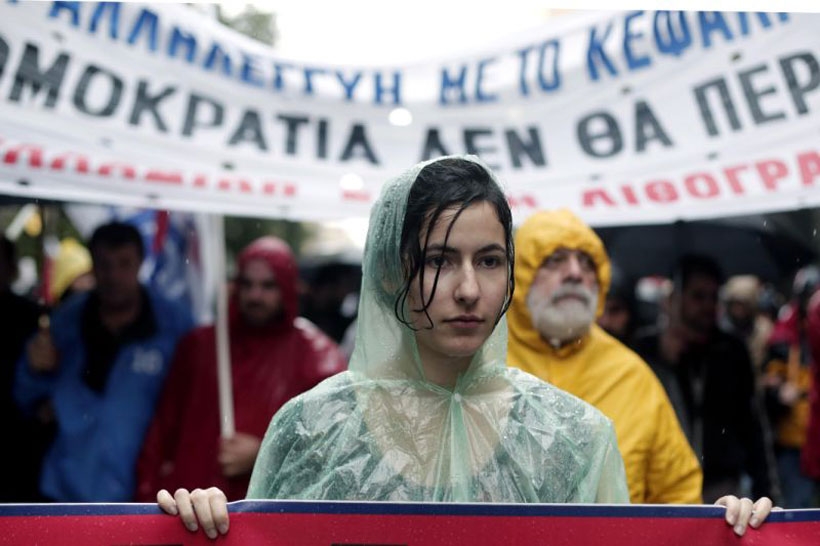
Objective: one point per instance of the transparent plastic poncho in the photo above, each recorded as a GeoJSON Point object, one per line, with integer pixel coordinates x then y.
{"type": "Point", "coordinates": [381, 432]}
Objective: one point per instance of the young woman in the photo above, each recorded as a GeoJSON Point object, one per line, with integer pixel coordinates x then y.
{"type": "Point", "coordinates": [428, 410]}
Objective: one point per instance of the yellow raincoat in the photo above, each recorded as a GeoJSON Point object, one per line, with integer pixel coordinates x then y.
{"type": "Point", "coordinates": [660, 465]}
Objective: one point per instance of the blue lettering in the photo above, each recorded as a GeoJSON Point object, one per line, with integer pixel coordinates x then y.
{"type": "Point", "coordinates": [448, 83]}
{"type": "Point", "coordinates": [673, 41]}
{"type": "Point", "coordinates": [395, 90]}
{"type": "Point", "coordinates": [73, 8]}
{"type": "Point", "coordinates": [249, 73]}
{"type": "Point", "coordinates": [632, 61]}
{"type": "Point", "coordinates": [149, 18]}
{"type": "Point", "coordinates": [596, 50]}
{"type": "Point", "coordinates": [765, 21]}
{"type": "Point", "coordinates": [215, 55]}
{"type": "Point", "coordinates": [711, 22]}
{"type": "Point", "coordinates": [181, 39]}
{"type": "Point", "coordinates": [278, 78]}
{"type": "Point", "coordinates": [480, 94]}
{"type": "Point", "coordinates": [113, 8]}
{"type": "Point", "coordinates": [349, 86]}
{"type": "Point", "coordinates": [522, 74]}
{"type": "Point", "coordinates": [555, 82]}
{"type": "Point", "coordinates": [309, 73]}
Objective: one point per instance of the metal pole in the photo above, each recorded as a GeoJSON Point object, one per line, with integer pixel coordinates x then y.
{"type": "Point", "coordinates": [223, 353]}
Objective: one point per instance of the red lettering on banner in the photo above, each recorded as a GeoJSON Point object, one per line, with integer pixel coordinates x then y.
{"type": "Point", "coordinates": [731, 174]}
{"type": "Point", "coordinates": [701, 191]}
{"type": "Point", "coordinates": [809, 164]}
{"type": "Point", "coordinates": [661, 191]}
{"type": "Point", "coordinates": [200, 181]}
{"type": "Point", "coordinates": [228, 184]}
{"type": "Point", "coordinates": [771, 172]}
{"type": "Point", "coordinates": [351, 195]}
{"type": "Point", "coordinates": [723, 183]}
{"type": "Point", "coordinates": [629, 195]}
{"type": "Point", "coordinates": [591, 196]}
{"type": "Point", "coordinates": [164, 177]}
{"type": "Point", "coordinates": [35, 155]}
{"type": "Point", "coordinates": [80, 162]}
{"type": "Point", "coordinates": [525, 200]}
{"type": "Point", "coordinates": [271, 187]}
{"type": "Point", "coordinates": [125, 170]}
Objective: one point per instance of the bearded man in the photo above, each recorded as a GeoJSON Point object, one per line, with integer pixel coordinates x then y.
{"type": "Point", "coordinates": [562, 275]}
{"type": "Point", "coordinates": [275, 355]}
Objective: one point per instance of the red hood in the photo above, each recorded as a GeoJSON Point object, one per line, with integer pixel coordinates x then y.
{"type": "Point", "coordinates": [787, 328]}
{"type": "Point", "coordinates": [279, 257]}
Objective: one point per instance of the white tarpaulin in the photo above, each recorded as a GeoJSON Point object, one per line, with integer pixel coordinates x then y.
{"type": "Point", "coordinates": [624, 117]}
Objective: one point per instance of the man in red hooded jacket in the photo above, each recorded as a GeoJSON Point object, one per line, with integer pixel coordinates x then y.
{"type": "Point", "coordinates": [810, 456]}
{"type": "Point", "coordinates": [274, 356]}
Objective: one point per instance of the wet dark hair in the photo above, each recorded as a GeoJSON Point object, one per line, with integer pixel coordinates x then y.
{"type": "Point", "coordinates": [116, 235]}
{"type": "Point", "coordinates": [690, 265]}
{"type": "Point", "coordinates": [447, 184]}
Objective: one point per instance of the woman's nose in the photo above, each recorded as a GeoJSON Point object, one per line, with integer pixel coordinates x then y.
{"type": "Point", "coordinates": [467, 289]}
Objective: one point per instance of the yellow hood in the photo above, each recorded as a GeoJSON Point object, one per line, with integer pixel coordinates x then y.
{"type": "Point", "coordinates": [539, 236]}
{"type": "Point", "coordinates": [72, 260]}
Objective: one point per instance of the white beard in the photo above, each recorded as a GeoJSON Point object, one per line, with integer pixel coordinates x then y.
{"type": "Point", "coordinates": [562, 321]}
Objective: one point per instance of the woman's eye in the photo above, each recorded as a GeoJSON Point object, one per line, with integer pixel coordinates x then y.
{"type": "Point", "coordinates": [491, 261]}
{"type": "Point", "coordinates": [436, 261]}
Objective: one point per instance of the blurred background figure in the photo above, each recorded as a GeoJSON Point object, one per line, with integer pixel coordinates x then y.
{"type": "Point", "coordinates": [810, 455]}
{"type": "Point", "coordinates": [787, 383]}
{"type": "Point", "coordinates": [708, 376]}
{"type": "Point", "coordinates": [100, 364]}
{"type": "Point", "coordinates": [742, 317]}
{"type": "Point", "coordinates": [330, 294]}
{"type": "Point", "coordinates": [275, 355]}
{"type": "Point", "coordinates": [71, 271]}
{"type": "Point", "coordinates": [619, 318]}
{"type": "Point", "coordinates": [21, 455]}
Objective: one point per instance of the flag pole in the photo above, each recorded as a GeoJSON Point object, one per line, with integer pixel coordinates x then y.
{"type": "Point", "coordinates": [223, 354]}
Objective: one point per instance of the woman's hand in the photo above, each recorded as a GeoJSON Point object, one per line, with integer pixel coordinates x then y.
{"type": "Point", "coordinates": [742, 512]}
{"type": "Point", "coordinates": [205, 507]}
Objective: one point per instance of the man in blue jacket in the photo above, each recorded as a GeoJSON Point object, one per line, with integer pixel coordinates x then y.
{"type": "Point", "coordinates": [99, 367]}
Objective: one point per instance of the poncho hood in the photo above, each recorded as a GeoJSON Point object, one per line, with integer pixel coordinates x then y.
{"type": "Point", "coordinates": [385, 347]}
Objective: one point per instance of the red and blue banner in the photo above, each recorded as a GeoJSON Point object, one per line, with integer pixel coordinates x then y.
{"type": "Point", "coordinates": [310, 523]}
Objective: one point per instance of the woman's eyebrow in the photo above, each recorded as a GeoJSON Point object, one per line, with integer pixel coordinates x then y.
{"type": "Point", "coordinates": [437, 247]}
{"type": "Point", "coordinates": [493, 247]}
{"type": "Point", "coordinates": [442, 249]}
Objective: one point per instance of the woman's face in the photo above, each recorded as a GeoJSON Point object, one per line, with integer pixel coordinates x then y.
{"type": "Point", "coordinates": [471, 289]}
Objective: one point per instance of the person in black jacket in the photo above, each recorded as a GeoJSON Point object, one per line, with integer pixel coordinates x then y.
{"type": "Point", "coordinates": [18, 319]}
{"type": "Point", "coordinates": [709, 378]}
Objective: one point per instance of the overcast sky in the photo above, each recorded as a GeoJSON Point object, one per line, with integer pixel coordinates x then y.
{"type": "Point", "coordinates": [383, 31]}
{"type": "Point", "coordinates": [389, 31]}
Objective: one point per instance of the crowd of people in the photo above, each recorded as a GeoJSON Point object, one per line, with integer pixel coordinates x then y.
{"type": "Point", "coordinates": [740, 372]}
{"type": "Point", "coordinates": [489, 364]}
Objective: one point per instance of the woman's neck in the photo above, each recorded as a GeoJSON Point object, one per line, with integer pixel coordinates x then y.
{"type": "Point", "coordinates": [443, 371]}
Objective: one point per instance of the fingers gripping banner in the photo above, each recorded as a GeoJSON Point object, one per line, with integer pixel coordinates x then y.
{"type": "Point", "coordinates": [624, 117]}
{"type": "Point", "coordinates": [289, 523]}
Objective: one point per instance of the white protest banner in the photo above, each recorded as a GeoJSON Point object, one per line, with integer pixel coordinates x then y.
{"type": "Point", "coordinates": [624, 117]}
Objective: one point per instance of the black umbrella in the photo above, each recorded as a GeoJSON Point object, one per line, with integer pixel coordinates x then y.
{"type": "Point", "coordinates": [770, 253]}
